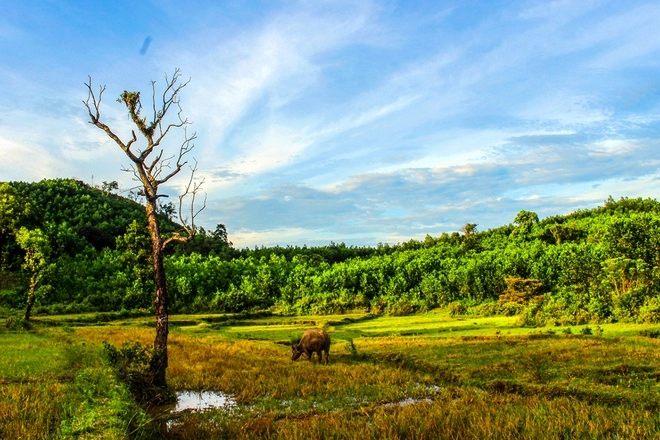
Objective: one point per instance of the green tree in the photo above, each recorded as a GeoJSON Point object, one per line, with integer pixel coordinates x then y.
{"type": "Point", "coordinates": [37, 260]}
{"type": "Point", "coordinates": [153, 165]}
{"type": "Point", "coordinates": [524, 221]}
{"type": "Point", "coordinates": [109, 187]}
{"type": "Point", "coordinates": [8, 208]}
{"type": "Point", "coordinates": [469, 229]}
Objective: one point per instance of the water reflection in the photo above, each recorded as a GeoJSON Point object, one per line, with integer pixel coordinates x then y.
{"type": "Point", "coordinates": [197, 401]}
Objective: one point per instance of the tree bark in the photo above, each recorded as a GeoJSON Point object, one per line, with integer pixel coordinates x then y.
{"type": "Point", "coordinates": [31, 297]}
{"type": "Point", "coordinates": [159, 359]}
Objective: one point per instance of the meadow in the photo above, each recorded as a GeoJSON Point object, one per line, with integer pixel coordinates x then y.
{"type": "Point", "coordinates": [429, 375]}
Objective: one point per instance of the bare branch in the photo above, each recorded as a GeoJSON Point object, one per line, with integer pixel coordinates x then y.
{"type": "Point", "coordinates": [157, 165]}
{"type": "Point", "coordinates": [95, 103]}
{"type": "Point", "coordinates": [192, 189]}
{"type": "Point", "coordinates": [95, 118]}
{"type": "Point", "coordinates": [185, 148]}
{"type": "Point", "coordinates": [170, 97]}
{"type": "Point", "coordinates": [154, 172]}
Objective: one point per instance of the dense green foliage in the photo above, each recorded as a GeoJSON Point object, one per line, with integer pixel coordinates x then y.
{"type": "Point", "coordinates": [594, 265]}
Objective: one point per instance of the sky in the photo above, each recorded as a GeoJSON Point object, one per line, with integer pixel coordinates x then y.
{"type": "Point", "coordinates": [357, 122]}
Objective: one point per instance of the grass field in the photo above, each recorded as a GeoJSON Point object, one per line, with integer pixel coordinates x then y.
{"type": "Point", "coordinates": [422, 376]}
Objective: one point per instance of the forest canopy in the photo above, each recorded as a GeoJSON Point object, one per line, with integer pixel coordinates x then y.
{"type": "Point", "coordinates": [597, 265]}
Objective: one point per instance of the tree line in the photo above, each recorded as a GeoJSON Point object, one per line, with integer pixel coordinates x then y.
{"type": "Point", "coordinates": [70, 247]}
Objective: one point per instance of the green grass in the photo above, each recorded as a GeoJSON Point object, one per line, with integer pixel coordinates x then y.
{"type": "Point", "coordinates": [23, 354]}
{"type": "Point", "coordinates": [463, 377]}
{"type": "Point", "coordinates": [52, 385]}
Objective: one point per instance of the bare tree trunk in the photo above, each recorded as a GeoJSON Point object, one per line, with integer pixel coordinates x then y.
{"type": "Point", "coordinates": [159, 360]}
{"type": "Point", "coordinates": [153, 167]}
{"type": "Point", "coordinates": [31, 297]}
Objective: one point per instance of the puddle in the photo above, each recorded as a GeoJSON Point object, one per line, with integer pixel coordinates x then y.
{"type": "Point", "coordinates": [202, 400]}
{"type": "Point", "coordinates": [197, 401]}
{"type": "Point", "coordinates": [408, 401]}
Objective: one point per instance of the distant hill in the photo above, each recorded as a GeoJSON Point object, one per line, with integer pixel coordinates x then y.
{"type": "Point", "coordinates": [88, 215]}
{"type": "Point", "coordinates": [79, 205]}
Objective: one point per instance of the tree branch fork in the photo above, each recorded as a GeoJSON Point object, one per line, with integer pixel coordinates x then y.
{"type": "Point", "coordinates": [151, 166]}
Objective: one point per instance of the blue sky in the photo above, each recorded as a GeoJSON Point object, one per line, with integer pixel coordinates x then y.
{"type": "Point", "coordinates": [350, 121]}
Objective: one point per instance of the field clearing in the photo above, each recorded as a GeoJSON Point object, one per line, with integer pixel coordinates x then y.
{"type": "Point", "coordinates": [420, 376]}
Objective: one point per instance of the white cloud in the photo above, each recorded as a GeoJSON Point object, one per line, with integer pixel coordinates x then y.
{"type": "Point", "coordinates": [274, 147]}
{"type": "Point", "coordinates": [364, 117]}
{"type": "Point", "coordinates": [366, 121]}
{"type": "Point", "coordinates": [564, 107]}
{"type": "Point", "coordinates": [612, 147]}
{"type": "Point", "coordinates": [263, 69]}
{"type": "Point", "coordinates": [30, 162]}
{"type": "Point", "coordinates": [271, 237]}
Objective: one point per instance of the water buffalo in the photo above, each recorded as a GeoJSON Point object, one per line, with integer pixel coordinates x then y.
{"type": "Point", "coordinates": [312, 341]}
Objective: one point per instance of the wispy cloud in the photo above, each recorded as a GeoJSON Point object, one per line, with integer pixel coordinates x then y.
{"type": "Point", "coordinates": [30, 162]}
{"type": "Point", "coordinates": [360, 121]}
{"type": "Point", "coordinates": [260, 72]}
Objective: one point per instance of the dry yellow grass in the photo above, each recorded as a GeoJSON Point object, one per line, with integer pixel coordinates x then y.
{"type": "Point", "coordinates": [29, 411]}
{"type": "Point", "coordinates": [455, 414]}
{"type": "Point", "coordinates": [485, 387]}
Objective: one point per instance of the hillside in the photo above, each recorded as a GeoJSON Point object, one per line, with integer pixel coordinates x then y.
{"type": "Point", "coordinates": [72, 213]}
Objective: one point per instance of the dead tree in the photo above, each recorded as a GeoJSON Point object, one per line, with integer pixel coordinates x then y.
{"type": "Point", "coordinates": [153, 165]}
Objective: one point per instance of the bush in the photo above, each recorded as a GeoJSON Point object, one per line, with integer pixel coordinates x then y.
{"type": "Point", "coordinates": [17, 323]}
{"type": "Point", "coordinates": [457, 308]}
{"type": "Point", "coordinates": [521, 291]}
{"type": "Point", "coordinates": [586, 331]}
{"type": "Point", "coordinates": [533, 316]}
{"type": "Point", "coordinates": [650, 311]}
{"type": "Point", "coordinates": [511, 309]}
{"type": "Point", "coordinates": [405, 304]}
{"type": "Point", "coordinates": [352, 349]}
{"type": "Point", "coordinates": [131, 365]}
{"type": "Point", "coordinates": [655, 334]}
{"type": "Point", "coordinates": [12, 298]}
{"type": "Point", "coordinates": [487, 309]}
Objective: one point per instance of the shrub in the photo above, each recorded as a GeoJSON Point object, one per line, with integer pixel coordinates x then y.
{"type": "Point", "coordinates": [533, 316]}
{"type": "Point", "coordinates": [13, 298]}
{"type": "Point", "coordinates": [131, 365]}
{"type": "Point", "coordinates": [521, 291]}
{"type": "Point", "coordinates": [352, 349]}
{"type": "Point", "coordinates": [487, 309]}
{"type": "Point", "coordinates": [405, 304]}
{"type": "Point", "coordinates": [586, 331]}
{"type": "Point", "coordinates": [650, 311]}
{"type": "Point", "coordinates": [511, 309]}
{"type": "Point", "coordinates": [17, 323]}
{"type": "Point", "coordinates": [655, 334]}
{"type": "Point", "coordinates": [457, 308]}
